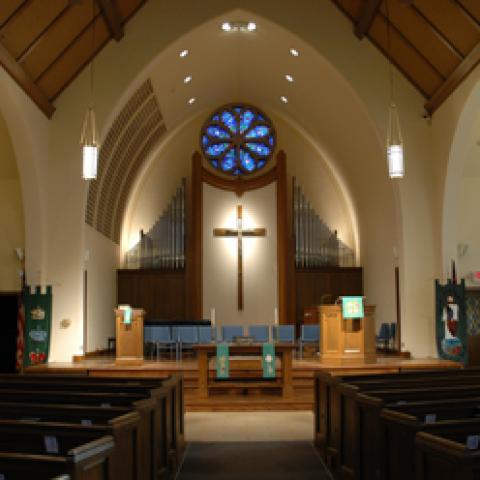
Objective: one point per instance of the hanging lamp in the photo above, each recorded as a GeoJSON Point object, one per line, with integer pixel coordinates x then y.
{"type": "Point", "coordinates": [89, 138]}
{"type": "Point", "coordinates": [396, 164]}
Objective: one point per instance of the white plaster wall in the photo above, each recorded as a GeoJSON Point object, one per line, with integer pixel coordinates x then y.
{"type": "Point", "coordinates": [101, 263]}
{"type": "Point", "coordinates": [11, 215]}
{"type": "Point", "coordinates": [259, 257]}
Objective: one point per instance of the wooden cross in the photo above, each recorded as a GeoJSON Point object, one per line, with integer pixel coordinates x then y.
{"type": "Point", "coordinates": [239, 233]}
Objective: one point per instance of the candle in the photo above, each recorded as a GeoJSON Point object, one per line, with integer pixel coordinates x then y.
{"type": "Point", "coordinates": [212, 316]}
{"type": "Point", "coordinates": [275, 314]}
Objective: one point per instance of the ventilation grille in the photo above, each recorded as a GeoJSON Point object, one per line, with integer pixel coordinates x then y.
{"type": "Point", "coordinates": [133, 135]}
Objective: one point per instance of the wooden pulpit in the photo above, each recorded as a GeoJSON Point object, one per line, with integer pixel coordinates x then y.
{"type": "Point", "coordinates": [347, 338]}
{"type": "Point", "coordinates": [129, 337]}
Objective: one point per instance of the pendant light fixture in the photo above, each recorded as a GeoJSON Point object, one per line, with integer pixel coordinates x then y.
{"type": "Point", "coordinates": [396, 165]}
{"type": "Point", "coordinates": [89, 138]}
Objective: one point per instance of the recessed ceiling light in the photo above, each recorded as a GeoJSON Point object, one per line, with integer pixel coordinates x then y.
{"type": "Point", "coordinates": [187, 79]}
{"type": "Point", "coordinates": [191, 101]}
{"type": "Point", "coordinates": [294, 52]}
{"type": "Point", "coordinates": [284, 99]}
{"type": "Point", "coordinates": [289, 77]}
{"type": "Point", "coordinates": [183, 53]}
{"type": "Point", "coordinates": [239, 26]}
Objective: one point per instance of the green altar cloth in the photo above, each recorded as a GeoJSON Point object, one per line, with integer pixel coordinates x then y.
{"type": "Point", "coordinates": [223, 367]}
{"type": "Point", "coordinates": [268, 360]}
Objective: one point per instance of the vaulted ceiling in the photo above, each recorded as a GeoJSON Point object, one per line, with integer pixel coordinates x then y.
{"type": "Point", "coordinates": [435, 43]}
{"type": "Point", "coordinates": [44, 44]}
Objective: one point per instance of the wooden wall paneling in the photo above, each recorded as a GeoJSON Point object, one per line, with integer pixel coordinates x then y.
{"type": "Point", "coordinates": [472, 7]}
{"type": "Point", "coordinates": [9, 9]}
{"type": "Point", "coordinates": [161, 293]}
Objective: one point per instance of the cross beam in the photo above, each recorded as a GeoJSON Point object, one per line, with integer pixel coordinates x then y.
{"type": "Point", "coordinates": [239, 233]}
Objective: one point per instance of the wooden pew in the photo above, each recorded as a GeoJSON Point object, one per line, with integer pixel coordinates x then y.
{"type": "Point", "coordinates": [124, 461]}
{"type": "Point", "coordinates": [335, 409]}
{"type": "Point", "coordinates": [444, 455]}
{"type": "Point", "coordinates": [399, 428]}
{"type": "Point", "coordinates": [168, 391]}
{"type": "Point", "coordinates": [150, 441]}
{"type": "Point", "coordinates": [23, 454]}
{"type": "Point", "coordinates": [360, 457]}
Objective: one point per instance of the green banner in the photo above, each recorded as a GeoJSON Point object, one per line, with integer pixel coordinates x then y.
{"type": "Point", "coordinates": [268, 360]}
{"type": "Point", "coordinates": [223, 355]}
{"type": "Point", "coordinates": [38, 319]}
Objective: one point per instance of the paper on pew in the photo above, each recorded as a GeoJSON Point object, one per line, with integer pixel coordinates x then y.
{"type": "Point", "coordinates": [472, 442]}
{"type": "Point", "coordinates": [51, 444]}
{"type": "Point", "coordinates": [86, 422]}
{"type": "Point", "coordinates": [431, 418]}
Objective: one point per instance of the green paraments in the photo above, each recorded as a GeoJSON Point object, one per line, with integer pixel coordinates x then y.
{"type": "Point", "coordinates": [38, 320]}
{"type": "Point", "coordinates": [223, 367]}
{"type": "Point", "coordinates": [268, 360]}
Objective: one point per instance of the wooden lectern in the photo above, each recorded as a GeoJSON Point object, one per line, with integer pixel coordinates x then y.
{"type": "Point", "coordinates": [347, 338]}
{"type": "Point", "coordinates": [129, 341]}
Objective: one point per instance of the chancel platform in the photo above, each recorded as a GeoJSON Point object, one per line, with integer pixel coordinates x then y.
{"type": "Point", "coordinates": [232, 400]}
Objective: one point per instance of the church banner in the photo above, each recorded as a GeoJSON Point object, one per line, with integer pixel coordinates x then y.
{"type": "Point", "coordinates": [451, 321]}
{"type": "Point", "coordinates": [223, 364]}
{"type": "Point", "coordinates": [38, 319]}
{"type": "Point", "coordinates": [268, 360]}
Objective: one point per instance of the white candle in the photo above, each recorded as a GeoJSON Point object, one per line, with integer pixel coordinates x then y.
{"type": "Point", "coordinates": [275, 313]}
{"type": "Point", "coordinates": [212, 316]}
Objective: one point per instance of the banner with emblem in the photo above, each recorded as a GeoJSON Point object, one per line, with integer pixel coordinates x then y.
{"type": "Point", "coordinates": [451, 321]}
{"type": "Point", "coordinates": [268, 360]}
{"type": "Point", "coordinates": [38, 319]}
{"type": "Point", "coordinates": [223, 364]}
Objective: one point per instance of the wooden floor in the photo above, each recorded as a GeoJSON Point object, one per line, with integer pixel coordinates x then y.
{"type": "Point", "coordinates": [234, 400]}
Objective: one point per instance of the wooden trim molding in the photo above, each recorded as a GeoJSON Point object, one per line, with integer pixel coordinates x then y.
{"type": "Point", "coordinates": [238, 185]}
{"type": "Point", "coordinates": [367, 14]}
{"type": "Point", "coordinates": [112, 18]}
{"type": "Point", "coordinates": [25, 82]}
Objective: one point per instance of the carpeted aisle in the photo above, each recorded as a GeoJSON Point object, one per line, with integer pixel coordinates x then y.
{"type": "Point", "coordinates": [252, 460]}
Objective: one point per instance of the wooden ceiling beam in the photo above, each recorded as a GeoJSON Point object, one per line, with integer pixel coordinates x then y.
{"type": "Point", "coordinates": [112, 17]}
{"type": "Point", "coordinates": [25, 82]}
{"type": "Point", "coordinates": [367, 14]}
{"type": "Point", "coordinates": [454, 79]}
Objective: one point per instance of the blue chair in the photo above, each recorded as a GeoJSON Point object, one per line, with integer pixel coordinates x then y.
{"type": "Point", "coordinates": [309, 334]}
{"type": "Point", "coordinates": [187, 336]}
{"type": "Point", "coordinates": [393, 333]}
{"type": "Point", "coordinates": [205, 335]}
{"type": "Point", "coordinates": [284, 333]}
{"type": "Point", "coordinates": [384, 335]}
{"type": "Point", "coordinates": [230, 331]}
{"type": "Point", "coordinates": [162, 338]}
{"type": "Point", "coordinates": [259, 333]}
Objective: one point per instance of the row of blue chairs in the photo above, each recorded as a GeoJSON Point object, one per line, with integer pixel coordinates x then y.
{"type": "Point", "coordinates": [170, 338]}
{"type": "Point", "coordinates": [386, 335]}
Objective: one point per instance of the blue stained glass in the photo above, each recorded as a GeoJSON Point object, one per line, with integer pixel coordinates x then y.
{"type": "Point", "coordinates": [246, 120]}
{"type": "Point", "coordinates": [237, 109]}
{"type": "Point", "coordinates": [271, 141]}
{"type": "Point", "coordinates": [236, 172]}
{"type": "Point", "coordinates": [260, 164]}
{"type": "Point", "coordinates": [217, 132]}
{"type": "Point", "coordinates": [259, 148]}
{"type": "Point", "coordinates": [217, 148]}
{"type": "Point", "coordinates": [229, 160]}
{"type": "Point", "coordinates": [246, 160]}
{"type": "Point", "coordinates": [215, 163]}
{"type": "Point", "coordinates": [229, 120]}
{"type": "Point", "coordinates": [216, 118]}
{"type": "Point", "coordinates": [205, 140]}
{"type": "Point", "coordinates": [257, 132]}
{"type": "Point", "coordinates": [260, 118]}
